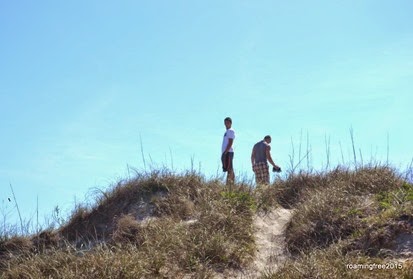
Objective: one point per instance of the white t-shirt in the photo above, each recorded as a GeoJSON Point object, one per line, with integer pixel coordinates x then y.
{"type": "Point", "coordinates": [229, 134]}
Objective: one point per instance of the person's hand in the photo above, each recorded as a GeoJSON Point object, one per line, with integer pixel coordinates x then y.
{"type": "Point", "coordinates": [276, 169]}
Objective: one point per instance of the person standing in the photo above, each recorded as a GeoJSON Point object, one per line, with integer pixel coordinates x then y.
{"type": "Point", "coordinates": [228, 151]}
{"type": "Point", "coordinates": [261, 153]}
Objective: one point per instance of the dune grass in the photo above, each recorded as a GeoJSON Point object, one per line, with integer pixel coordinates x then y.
{"type": "Point", "coordinates": [346, 217]}
{"type": "Point", "coordinates": [167, 225]}
{"type": "Point", "coordinates": [155, 225]}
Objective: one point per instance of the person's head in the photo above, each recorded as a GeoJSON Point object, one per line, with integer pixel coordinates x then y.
{"type": "Point", "coordinates": [228, 122]}
{"type": "Point", "coordinates": [267, 139]}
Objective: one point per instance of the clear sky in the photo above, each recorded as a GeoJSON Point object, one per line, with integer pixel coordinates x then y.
{"type": "Point", "coordinates": [83, 83]}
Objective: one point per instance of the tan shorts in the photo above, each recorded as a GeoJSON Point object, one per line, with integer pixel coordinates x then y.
{"type": "Point", "coordinates": [262, 174]}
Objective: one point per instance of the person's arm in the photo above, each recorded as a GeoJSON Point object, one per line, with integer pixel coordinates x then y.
{"type": "Point", "coordinates": [268, 154]}
{"type": "Point", "coordinates": [231, 137]}
{"type": "Point", "coordinates": [253, 155]}
{"type": "Point", "coordinates": [229, 145]}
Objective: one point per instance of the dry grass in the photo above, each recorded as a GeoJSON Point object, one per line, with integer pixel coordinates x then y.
{"type": "Point", "coordinates": [333, 263]}
{"type": "Point", "coordinates": [128, 230]}
{"type": "Point", "coordinates": [159, 225]}
{"type": "Point", "coordinates": [165, 225]}
{"type": "Point", "coordinates": [14, 247]}
{"type": "Point", "coordinates": [331, 206]}
{"type": "Point", "coordinates": [346, 217]}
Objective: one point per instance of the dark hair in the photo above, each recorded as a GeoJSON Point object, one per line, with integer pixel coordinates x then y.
{"type": "Point", "coordinates": [228, 119]}
{"type": "Point", "coordinates": [267, 137]}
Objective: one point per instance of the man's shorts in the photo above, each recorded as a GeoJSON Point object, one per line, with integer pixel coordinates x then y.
{"type": "Point", "coordinates": [262, 173]}
{"type": "Point", "coordinates": [226, 160]}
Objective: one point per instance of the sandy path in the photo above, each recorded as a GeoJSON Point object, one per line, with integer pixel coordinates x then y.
{"type": "Point", "coordinates": [270, 241]}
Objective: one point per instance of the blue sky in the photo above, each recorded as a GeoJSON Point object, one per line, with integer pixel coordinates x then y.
{"type": "Point", "coordinates": [81, 82]}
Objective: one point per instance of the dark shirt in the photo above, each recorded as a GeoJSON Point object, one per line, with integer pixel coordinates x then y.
{"type": "Point", "coordinates": [260, 154]}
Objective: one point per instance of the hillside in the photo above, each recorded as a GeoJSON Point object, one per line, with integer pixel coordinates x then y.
{"type": "Point", "coordinates": [335, 224]}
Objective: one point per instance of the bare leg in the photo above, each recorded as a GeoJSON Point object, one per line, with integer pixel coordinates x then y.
{"type": "Point", "coordinates": [230, 177]}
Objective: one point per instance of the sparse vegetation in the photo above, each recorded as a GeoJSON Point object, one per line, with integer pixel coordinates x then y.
{"type": "Point", "coordinates": [347, 217]}
{"type": "Point", "coordinates": [156, 225]}
{"type": "Point", "coordinates": [167, 225]}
